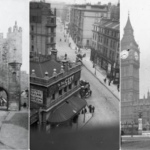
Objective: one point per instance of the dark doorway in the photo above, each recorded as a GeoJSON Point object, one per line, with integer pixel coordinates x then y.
{"type": "Point", "coordinates": [3, 99]}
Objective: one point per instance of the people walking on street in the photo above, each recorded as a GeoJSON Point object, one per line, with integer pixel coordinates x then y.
{"type": "Point", "coordinates": [60, 40]}
{"type": "Point", "coordinates": [93, 109]}
{"type": "Point", "coordinates": [105, 80]}
{"type": "Point", "coordinates": [90, 92]}
{"type": "Point", "coordinates": [109, 82]}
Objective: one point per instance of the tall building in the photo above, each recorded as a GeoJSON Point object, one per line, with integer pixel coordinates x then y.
{"type": "Point", "coordinates": [82, 18]}
{"type": "Point", "coordinates": [54, 92]}
{"type": "Point", "coordinates": [105, 46]}
{"type": "Point", "coordinates": [10, 64]}
{"type": "Point", "coordinates": [129, 74]}
{"type": "Point", "coordinates": [42, 27]}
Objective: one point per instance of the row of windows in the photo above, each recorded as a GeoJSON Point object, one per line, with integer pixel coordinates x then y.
{"type": "Point", "coordinates": [109, 32]}
{"type": "Point", "coordinates": [63, 90]}
{"type": "Point", "coordinates": [50, 39]}
{"type": "Point", "coordinates": [35, 19]}
{"type": "Point", "coordinates": [106, 41]}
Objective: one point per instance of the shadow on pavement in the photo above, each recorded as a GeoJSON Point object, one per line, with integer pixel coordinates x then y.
{"type": "Point", "coordinates": [18, 119]}
{"type": "Point", "coordinates": [105, 138]}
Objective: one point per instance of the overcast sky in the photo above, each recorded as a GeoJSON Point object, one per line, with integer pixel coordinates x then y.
{"type": "Point", "coordinates": [139, 16]}
{"type": "Point", "coordinates": [16, 10]}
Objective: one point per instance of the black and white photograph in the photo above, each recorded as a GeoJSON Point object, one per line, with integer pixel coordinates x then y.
{"type": "Point", "coordinates": [135, 71]}
{"type": "Point", "coordinates": [74, 74]}
{"type": "Point", "coordinates": [14, 74]}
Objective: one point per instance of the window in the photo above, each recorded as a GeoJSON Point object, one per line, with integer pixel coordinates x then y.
{"type": "Point", "coordinates": [52, 20]}
{"type": "Point", "coordinates": [70, 86]}
{"type": "Point", "coordinates": [52, 39]}
{"type": "Point", "coordinates": [65, 89]}
{"type": "Point", "coordinates": [32, 37]}
{"type": "Point", "coordinates": [32, 48]}
{"type": "Point", "coordinates": [52, 30]}
{"type": "Point", "coordinates": [32, 28]}
{"type": "Point", "coordinates": [60, 92]}
{"type": "Point", "coordinates": [53, 96]}
{"type": "Point", "coordinates": [75, 83]}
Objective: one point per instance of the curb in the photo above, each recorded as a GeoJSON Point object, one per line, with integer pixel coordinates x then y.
{"type": "Point", "coordinates": [99, 80]}
{"type": "Point", "coordinates": [86, 122]}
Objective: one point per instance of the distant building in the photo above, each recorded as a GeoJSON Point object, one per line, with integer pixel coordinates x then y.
{"type": "Point", "coordinates": [24, 80]}
{"type": "Point", "coordinates": [82, 18]}
{"type": "Point", "coordinates": [42, 27]}
{"type": "Point", "coordinates": [105, 46]}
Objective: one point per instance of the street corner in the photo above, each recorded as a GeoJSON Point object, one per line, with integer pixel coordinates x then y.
{"type": "Point", "coordinates": [14, 136]}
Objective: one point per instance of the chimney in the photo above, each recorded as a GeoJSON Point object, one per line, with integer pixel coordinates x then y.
{"type": "Point", "coordinates": [65, 64]}
{"type": "Point", "coordinates": [88, 6]}
{"type": "Point", "coordinates": [54, 54]}
{"type": "Point", "coordinates": [99, 3]}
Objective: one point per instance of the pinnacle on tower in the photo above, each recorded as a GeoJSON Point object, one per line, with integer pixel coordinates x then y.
{"type": "Point", "coordinates": [128, 25]}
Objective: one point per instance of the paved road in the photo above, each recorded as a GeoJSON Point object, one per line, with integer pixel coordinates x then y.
{"type": "Point", "coordinates": [136, 145]}
{"type": "Point", "coordinates": [107, 106]}
{"type": "Point", "coordinates": [104, 124]}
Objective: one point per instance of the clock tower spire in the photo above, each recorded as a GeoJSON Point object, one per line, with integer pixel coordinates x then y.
{"type": "Point", "coordinates": [129, 74]}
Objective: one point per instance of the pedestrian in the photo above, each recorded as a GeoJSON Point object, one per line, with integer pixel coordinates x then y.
{"type": "Point", "coordinates": [118, 87]}
{"type": "Point", "coordinates": [85, 111]}
{"type": "Point", "coordinates": [109, 82]}
{"type": "Point", "coordinates": [105, 80]}
{"type": "Point", "coordinates": [93, 109]}
{"type": "Point", "coordinates": [60, 40]}
{"type": "Point", "coordinates": [90, 108]}
{"type": "Point", "coordinates": [90, 92]}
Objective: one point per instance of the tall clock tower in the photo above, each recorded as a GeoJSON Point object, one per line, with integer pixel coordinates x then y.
{"type": "Point", "coordinates": [130, 64]}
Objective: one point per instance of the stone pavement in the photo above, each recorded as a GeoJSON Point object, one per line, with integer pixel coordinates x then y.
{"type": "Point", "coordinates": [100, 73]}
{"type": "Point", "coordinates": [82, 120]}
{"type": "Point", "coordinates": [14, 129]}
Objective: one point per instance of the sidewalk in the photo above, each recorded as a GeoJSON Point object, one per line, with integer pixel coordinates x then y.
{"type": "Point", "coordinates": [14, 130]}
{"type": "Point", "coordinates": [100, 74]}
{"type": "Point", "coordinates": [82, 120]}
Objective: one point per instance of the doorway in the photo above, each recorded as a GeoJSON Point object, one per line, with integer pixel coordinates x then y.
{"type": "Point", "coordinates": [3, 99]}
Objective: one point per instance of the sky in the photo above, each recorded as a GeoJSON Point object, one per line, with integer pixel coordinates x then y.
{"type": "Point", "coordinates": [16, 10]}
{"type": "Point", "coordinates": [139, 12]}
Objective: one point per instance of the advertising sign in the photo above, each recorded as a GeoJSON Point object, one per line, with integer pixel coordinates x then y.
{"type": "Point", "coordinates": [37, 96]}
{"type": "Point", "coordinates": [65, 82]}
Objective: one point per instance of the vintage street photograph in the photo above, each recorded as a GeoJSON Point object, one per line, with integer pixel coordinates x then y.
{"type": "Point", "coordinates": [74, 74]}
{"type": "Point", "coordinates": [14, 74]}
{"type": "Point", "coordinates": [135, 71]}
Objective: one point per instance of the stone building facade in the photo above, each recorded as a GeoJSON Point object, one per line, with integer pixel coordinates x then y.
{"type": "Point", "coordinates": [10, 65]}
{"type": "Point", "coordinates": [105, 46]}
{"type": "Point", "coordinates": [82, 18]}
{"type": "Point", "coordinates": [54, 91]}
{"type": "Point", "coordinates": [42, 27]}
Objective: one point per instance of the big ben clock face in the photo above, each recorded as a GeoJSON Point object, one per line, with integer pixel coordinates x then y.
{"type": "Point", "coordinates": [124, 54]}
{"type": "Point", "coordinates": [136, 56]}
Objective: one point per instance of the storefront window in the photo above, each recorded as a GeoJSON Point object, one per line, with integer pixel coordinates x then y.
{"type": "Point", "coordinates": [53, 96]}
{"type": "Point", "coordinates": [70, 86]}
{"type": "Point", "coordinates": [60, 92]}
{"type": "Point", "coordinates": [65, 89]}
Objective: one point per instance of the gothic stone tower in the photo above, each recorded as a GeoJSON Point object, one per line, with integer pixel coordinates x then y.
{"type": "Point", "coordinates": [129, 74]}
{"type": "Point", "coordinates": [10, 63]}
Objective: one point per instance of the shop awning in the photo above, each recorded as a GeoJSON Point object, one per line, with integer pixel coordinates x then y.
{"type": "Point", "coordinates": [67, 110]}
